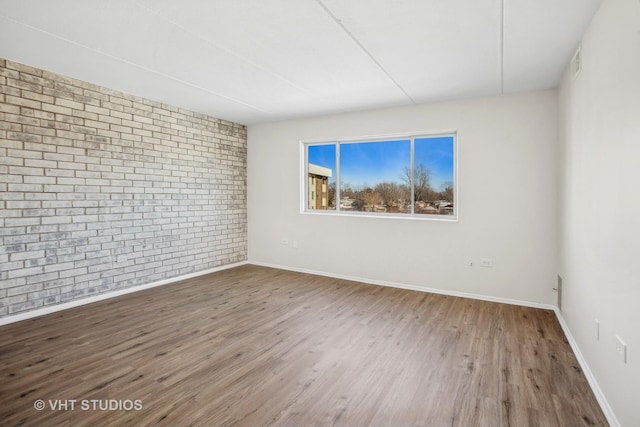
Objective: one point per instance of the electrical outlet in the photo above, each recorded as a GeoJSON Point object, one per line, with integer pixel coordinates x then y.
{"type": "Point", "coordinates": [621, 348]}
{"type": "Point", "coordinates": [597, 330]}
{"type": "Point", "coordinates": [486, 262]}
{"type": "Point", "coordinates": [295, 244]}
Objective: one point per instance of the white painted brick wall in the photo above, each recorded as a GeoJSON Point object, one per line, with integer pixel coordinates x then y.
{"type": "Point", "coordinates": [100, 190]}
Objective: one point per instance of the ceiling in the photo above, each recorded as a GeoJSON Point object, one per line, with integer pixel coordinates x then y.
{"type": "Point", "coordinates": [252, 61]}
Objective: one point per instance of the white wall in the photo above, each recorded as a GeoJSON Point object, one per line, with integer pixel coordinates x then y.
{"type": "Point", "coordinates": [507, 201]}
{"type": "Point", "coordinates": [599, 200]}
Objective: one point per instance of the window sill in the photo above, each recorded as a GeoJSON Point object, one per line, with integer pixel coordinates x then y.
{"type": "Point", "coordinates": [418, 217]}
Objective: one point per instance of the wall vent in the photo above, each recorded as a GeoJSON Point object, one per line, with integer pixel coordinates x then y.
{"type": "Point", "coordinates": [576, 62]}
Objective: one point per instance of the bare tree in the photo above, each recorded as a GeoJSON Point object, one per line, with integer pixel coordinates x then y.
{"type": "Point", "coordinates": [371, 199]}
{"type": "Point", "coordinates": [421, 182]}
{"type": "Point", "coordinates": [392, 194]}
{"type": "Point", "coordinates": [447, 192]}
{"type": "Point", "coordinates": [348, 190]}
{"type": "Point", "coordinates": [331, 195]}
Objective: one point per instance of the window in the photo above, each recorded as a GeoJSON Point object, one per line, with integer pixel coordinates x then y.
{"type": "Point", "coordinates": [408, 176]}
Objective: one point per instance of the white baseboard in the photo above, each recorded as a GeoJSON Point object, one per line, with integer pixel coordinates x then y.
{"type": "Point", "coordinates": [59, 307]}
{"type": "Point", "coordinates": [409, 287]}
{"type": "Point", "coordinates": [597, 391]}
{"type": "Point", "coordinates": [604, 405]}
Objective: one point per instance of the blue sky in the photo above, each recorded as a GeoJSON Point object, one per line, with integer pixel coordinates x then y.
{"type": "Point", "coordinates": [436, 153]}
{"type": "Point", "coordinates": [373, 162]}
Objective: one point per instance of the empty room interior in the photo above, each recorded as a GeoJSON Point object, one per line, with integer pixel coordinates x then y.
{"type": "Point", "coordinates": [320, 212]}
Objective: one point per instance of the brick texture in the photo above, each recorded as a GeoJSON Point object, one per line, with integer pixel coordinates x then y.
{"type": "Point", "coordinates": [100, 190]}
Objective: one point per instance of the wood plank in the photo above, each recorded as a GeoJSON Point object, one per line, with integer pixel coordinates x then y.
{"type": "Point", "coordinates": [259, 346]}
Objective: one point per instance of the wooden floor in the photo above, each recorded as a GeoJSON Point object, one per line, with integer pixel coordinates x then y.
{"type": "Point", "coordinates": [254, 346]}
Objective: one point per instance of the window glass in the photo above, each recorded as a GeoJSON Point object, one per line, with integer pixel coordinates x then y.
{"type": "Point", "coordinates": [433, 175]}
{"type": "Point", "coordinates": [375, 176]}
{"type": "Point", "coordinates": [321, 177]}
{"type": "Point", "coordinates": [409, 176]}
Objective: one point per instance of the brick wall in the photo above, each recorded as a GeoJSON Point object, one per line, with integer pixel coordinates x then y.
{"type": "Point", "coordinates": [101, 191]}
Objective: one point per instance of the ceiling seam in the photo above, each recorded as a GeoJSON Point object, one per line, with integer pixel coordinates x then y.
{"type": "Point", "coordinates": [133, 64]}
{"type": "Point", "coordinates": [364, 49]}
{"type": "Point", "coordinates": [229, 51]}
{"type": "Point", "coordinates": [502, 23]}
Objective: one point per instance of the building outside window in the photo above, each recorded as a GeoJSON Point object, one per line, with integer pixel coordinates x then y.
{"type": "Point", "coordinates": [318, 187]}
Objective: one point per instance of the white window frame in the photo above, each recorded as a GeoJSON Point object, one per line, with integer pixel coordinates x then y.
{"type": "Point", "coordinates": [304, 161]}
